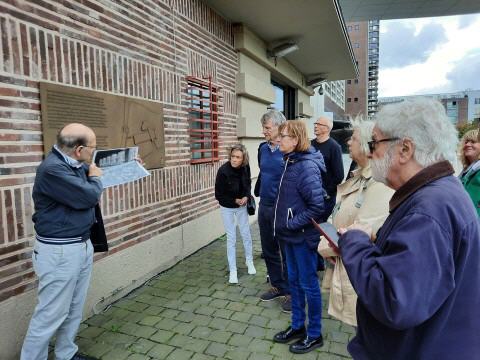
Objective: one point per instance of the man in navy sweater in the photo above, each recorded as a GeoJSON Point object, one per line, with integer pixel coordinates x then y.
{"type": "Point", "coordinates": [417, 279]}
{"type": "Point", "coordinates": [270, 161]}
{"type": "Point", "coordinates": [65, 193]}
{"type": "Point", "coordinates": [332, 155]}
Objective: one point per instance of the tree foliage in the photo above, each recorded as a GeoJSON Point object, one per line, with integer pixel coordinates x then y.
{"type": "Point", "coordinates": [462, 129]}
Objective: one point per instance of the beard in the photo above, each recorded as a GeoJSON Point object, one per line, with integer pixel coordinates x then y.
{"type": "Point", "coordinates": [381, 166]}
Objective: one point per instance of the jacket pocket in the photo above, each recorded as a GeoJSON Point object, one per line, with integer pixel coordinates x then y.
{"type": "Point", "coordinates": [289, 216]}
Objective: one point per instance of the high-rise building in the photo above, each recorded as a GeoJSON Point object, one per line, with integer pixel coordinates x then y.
{"type": "Point", "coordinates": [361, 93]}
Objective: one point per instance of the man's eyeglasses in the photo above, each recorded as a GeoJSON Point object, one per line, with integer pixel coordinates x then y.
{"type": "Point", "coordinates": [87, 146]}
{"type": "Point", "coordinates": [318, 124]}
{"type": "Point", "coordinates": [372, 144]}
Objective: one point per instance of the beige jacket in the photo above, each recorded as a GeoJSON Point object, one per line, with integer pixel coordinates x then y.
{"type": "Point", "coordinates": [363, 200]}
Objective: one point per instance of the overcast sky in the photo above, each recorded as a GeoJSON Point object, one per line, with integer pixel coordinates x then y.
{"type": "Point", "coordinates": [429, 55]}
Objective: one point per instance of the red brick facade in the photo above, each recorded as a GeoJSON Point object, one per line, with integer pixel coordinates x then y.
{"type": "Point", "coordinates": [132, 48]}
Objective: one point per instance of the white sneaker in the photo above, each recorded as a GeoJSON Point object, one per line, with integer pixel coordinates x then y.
{"type": "Point", "coordinates": [233, 277]}
{"type": "Point", "coordinates": [251, 267]}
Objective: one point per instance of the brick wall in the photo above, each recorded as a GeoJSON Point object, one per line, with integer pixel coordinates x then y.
{"type": "Point", "coordinates": [142, 49]}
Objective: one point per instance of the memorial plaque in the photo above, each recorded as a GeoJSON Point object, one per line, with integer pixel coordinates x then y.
{"type": "Point", "coordinates": [118, 121]}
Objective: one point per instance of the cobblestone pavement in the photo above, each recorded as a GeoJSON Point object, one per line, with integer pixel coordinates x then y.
{"type": "Point", "coordinates": [191, 312]}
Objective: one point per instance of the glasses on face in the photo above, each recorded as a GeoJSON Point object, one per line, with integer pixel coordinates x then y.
{"type": "Point", "coordinates": [284, 136]}
{"type": "Point", "coordinates": [318, 124]}
{"type": "Point", "coordinates": [88, 146]}
{"type": "Point", "coordinates": [372, 144]}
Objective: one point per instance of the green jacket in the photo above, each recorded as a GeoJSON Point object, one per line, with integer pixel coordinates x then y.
{"type": "Point", "coordinates": [471, 181]}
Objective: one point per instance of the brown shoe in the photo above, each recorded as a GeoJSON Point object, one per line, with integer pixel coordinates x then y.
{"type": "Point", "coordinates": [287, 304]}
{"type": "Point", "coordinates": [271, 294]}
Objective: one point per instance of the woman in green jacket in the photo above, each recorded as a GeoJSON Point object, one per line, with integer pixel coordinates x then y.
{"type": "Point", "coordinates": [470, 156]}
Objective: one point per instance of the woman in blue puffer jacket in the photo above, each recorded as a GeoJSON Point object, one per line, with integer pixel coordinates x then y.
{"type": "Point", "coordinates": [300, 199]}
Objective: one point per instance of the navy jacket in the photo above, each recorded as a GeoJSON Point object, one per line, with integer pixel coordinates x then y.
{"type": "Point", "coordinates": [271, 169]}
{"type": "Point", "coordinates": [65, 199]}
{"type": "Point", "coordinates": [332, 156]}
{"type": "Point", "coordinates": [300, 198]}
{"type": "Point", "coordinates": [418, 286]}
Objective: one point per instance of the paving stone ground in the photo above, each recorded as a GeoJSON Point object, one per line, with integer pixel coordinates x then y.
{"type": "Point", "coordinates": [191, 312]}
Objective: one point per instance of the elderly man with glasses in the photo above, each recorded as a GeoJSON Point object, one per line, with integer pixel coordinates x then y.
{"type": "Point", "coordinates": [66, 193]}
{"type": "Point", "coordinates": [332, 155]}
{"type": "Point", "coordinates": [417, 278]}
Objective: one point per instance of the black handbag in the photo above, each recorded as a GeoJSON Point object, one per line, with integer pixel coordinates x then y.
{"type": "Point", "coordinates": [98, 237]}
{"type": "Point", "coordinates": [251, 205]}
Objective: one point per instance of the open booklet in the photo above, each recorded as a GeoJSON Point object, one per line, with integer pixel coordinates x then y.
{"type": "Point", "coordinates": [119, 166]}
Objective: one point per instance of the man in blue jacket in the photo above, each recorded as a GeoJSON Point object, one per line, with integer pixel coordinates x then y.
{"type": "Point", "coordinates": [270, 161]}
{"type": "Point", "coordinates": [417, 279]}
{"type": "Point", "coordinates": [65, 193]}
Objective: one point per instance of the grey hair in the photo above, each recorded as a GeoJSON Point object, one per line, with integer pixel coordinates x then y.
{"type": "Point", "coordinates": [242, 149]}
{"type": "Point", "coordinates": [365, 128]}
{"type": "Point", "coordinates": [330, 122]}
{"type": "Point", "coordinates": [276, 116]}
{"type": "Point", "coordinates": [68, 143]}
{"type": "Point", "coordinates": [425, 122]}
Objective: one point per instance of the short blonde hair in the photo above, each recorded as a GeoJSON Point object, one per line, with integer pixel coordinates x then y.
{"type": "Point", "coordinates": [242, 149]}
{"type": "Point", "coordinates": [297, 130]}
{"type": "Point", "coordinates": [472, 135]}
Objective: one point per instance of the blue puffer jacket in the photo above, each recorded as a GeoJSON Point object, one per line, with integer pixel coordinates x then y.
{"type": "Point", "coordinates": [300, 198]}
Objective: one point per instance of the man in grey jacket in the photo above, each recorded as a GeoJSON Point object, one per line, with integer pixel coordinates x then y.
{"type": "Point", "coordinates": [65, 193]}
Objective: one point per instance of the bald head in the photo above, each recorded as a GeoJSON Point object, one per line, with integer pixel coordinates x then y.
{"type": "Point", "coordinates": [323, 120]}
{"type": "Point", "coordinates": [74, 135]}
{"type": "Point", "coordinates": [322, 128]}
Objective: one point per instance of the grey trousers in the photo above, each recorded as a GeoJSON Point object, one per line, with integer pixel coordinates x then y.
{"type": "Point", "coordinates": [63, 278]}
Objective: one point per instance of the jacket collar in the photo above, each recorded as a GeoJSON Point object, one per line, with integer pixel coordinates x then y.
{"type": "Point", "coordinates": [361, 177]}
{"type": "Point", "coordinates": [422, 178]}
{"type": "Point", "coordinates": [69, 160]}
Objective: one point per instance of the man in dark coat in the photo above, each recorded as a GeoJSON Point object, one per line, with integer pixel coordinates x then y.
{"type": "Point", "coordinates": [65, 193]}
{"type": "Point", "coordinates": [417, 279]}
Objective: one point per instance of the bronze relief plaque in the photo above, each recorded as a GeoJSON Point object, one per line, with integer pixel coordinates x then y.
{"type": "Point", "coordinates": [118, 121]}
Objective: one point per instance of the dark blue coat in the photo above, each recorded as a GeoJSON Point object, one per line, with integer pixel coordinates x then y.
{"type": "Point", "coordinates": [300, 198]}
{"type": "Point", "coordinates": [65, 199]}
{"type": "Point", "coordinates": [418, 286]}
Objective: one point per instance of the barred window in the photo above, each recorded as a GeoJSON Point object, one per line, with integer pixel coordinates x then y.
{"type": "Point", "coordinates": [202, 97]}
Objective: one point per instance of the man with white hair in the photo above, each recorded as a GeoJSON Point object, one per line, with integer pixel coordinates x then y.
{"type": "Point", "coordinates": [417, 278]}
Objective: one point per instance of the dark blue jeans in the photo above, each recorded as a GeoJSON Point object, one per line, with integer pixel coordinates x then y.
{"type": "Point", "coordinates": [302, 276]}
{"type": "Point", "coordinates": [273, 253]}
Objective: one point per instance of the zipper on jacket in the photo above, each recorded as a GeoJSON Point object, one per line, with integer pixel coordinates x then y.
{"type": "Point", "coordinates": [278, 196]}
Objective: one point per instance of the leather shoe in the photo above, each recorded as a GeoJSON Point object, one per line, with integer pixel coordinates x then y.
{"type": "Point", "coordinates": [289, 334]}
{"type": "Point", "coordinates": [306, 345]}
{"type": "Point", "coordinates": [78, 356]}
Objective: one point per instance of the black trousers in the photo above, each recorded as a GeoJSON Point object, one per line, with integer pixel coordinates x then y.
{"type": "Point", "coordinates": [273, 251]}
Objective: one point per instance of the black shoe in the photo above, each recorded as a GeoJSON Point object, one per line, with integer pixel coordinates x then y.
{"type": "Point", "coordinates": [271, 294]}
{"type": "Point", "coordinates": [289, 334]}
{"type": "Point", "coordinates": [78, 356]}
{"type": "Point", "coordinates": [287, 304]}
{"type": "Point", "coordinates": [305, 345]}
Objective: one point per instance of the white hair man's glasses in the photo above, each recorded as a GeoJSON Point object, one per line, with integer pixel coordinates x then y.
{"type": "Point", "coordinates": [372, 144]}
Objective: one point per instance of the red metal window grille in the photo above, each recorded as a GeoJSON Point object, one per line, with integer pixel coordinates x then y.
{"type": "Point", "coordinates": [202, 97]}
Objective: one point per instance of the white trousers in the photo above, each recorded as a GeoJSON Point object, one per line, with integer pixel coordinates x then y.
{"type": "Point", "coordinates": [63, 277]}
{"type": "Point", "coordinates": [240, 214]}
